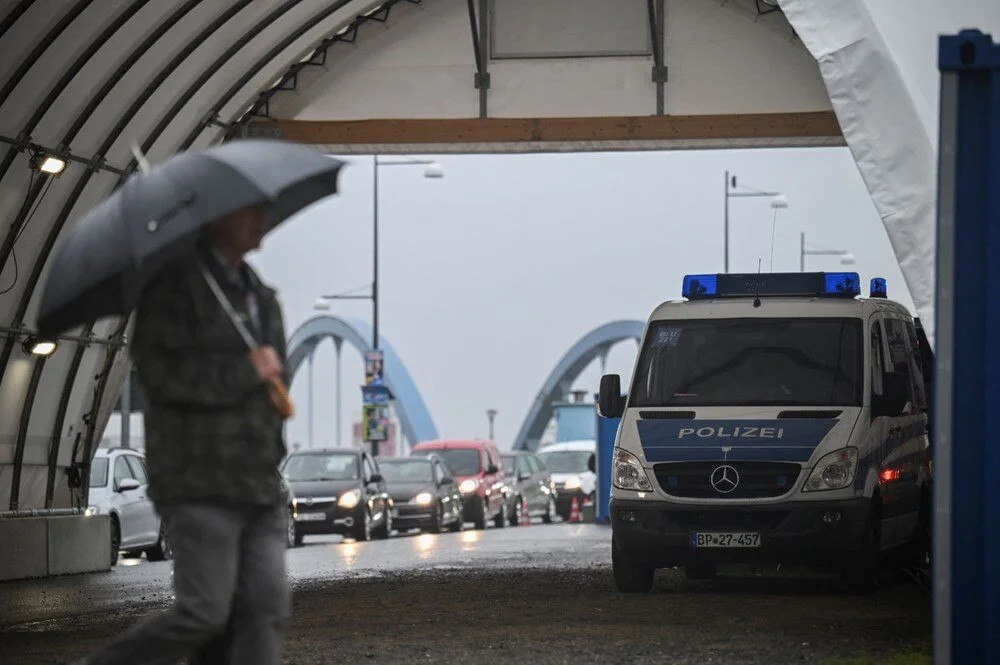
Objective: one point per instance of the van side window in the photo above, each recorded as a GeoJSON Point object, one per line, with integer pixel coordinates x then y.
{"type": "Point", "coordinates": [916, 363]}
{"type": "Point", "coordinates": [900, 358]}
{"type": "Point", "coordinates": [878, 362]}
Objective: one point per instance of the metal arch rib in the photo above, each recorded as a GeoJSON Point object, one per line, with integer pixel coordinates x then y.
{"type": "Point", "coordinates": [260, 64]}
{"type": "Point", "coordinates": [10, 19]}
{"type": "Point", "coordinates": [50, 38]}
{"type": "Point", "coordinates": [414, 417]}
{"type": "Point", "coordinates": [569, 367]}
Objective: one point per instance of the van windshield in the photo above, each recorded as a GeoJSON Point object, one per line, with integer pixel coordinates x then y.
{"type": "Point", "coordinates": [750, 362]}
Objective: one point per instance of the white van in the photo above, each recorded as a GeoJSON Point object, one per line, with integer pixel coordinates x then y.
{"type": "Point", "coordinates": [573, 465]}
{"type": "Point", "coordinates": [774, 418]}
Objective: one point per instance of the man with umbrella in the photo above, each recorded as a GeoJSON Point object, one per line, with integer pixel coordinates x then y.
{"type": "Point", "coordinates": [209, 347]}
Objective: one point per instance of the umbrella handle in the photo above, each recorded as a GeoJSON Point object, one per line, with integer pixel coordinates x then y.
{"type": "Point", "coordinates": [280, 400]}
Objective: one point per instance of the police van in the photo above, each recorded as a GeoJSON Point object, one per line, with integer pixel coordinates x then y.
{"type": "Point", "coordinates": [772, 418]}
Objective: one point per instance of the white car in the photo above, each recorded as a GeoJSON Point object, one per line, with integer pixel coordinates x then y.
{"type": "Point", "coordinates": [118, 488]}
{"type": "Point", "coordinates": [572, 464]}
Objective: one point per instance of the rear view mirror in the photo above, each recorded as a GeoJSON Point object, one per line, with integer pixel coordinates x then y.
{"type": "Point", "coordinates": [447, 480]}
{"type": "Point", "coordinates": [895, 395]}
{"type": "Point", "coordinates": [610, 401]}
{"type": "Point", "coordinates": [492, 468]}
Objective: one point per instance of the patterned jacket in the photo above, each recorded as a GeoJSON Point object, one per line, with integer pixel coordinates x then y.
{"type": "Point", "coordinates": [211, 433]}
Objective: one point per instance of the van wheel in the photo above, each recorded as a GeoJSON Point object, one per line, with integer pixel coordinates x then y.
{"type": "Point", "coordinates": [550, 512]}
{"type": "Point", "coordinates": [631, 575]}
{"type": "Point", "coordinates": [499, 520]}
{"type": "Point", "coordinates": [862, 573]}
{"type": "Point", "coordinates": [700, 571]}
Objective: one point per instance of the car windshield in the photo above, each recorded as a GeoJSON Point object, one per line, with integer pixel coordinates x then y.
{"type": "Point", "coordinates": [461, 461]}
{"type": "Point", "coordinates": [566, 461]}
{"type": "Point", "coordinates": [99, 472]}
{"type": "Point", "coordinates": [413, 471]}
{"type": "Point", "coordinates": [750, 362]}
{"type": "Point", "coordinates": [321, 466]}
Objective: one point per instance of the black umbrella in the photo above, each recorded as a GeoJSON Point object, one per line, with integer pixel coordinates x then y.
{"type": "Point", "coordinates": [107, 258]}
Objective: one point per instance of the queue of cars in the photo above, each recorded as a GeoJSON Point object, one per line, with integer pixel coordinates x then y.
{"type": "Point", "coordinates": [443, 484]}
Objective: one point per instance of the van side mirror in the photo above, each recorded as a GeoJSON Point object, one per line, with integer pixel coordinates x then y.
{"type": "Point", "coordinates": [610, 401]}
{"type": "Point", "coordinates": [895, 395]}
{"type": "Point", "coordinates": [592, 463]}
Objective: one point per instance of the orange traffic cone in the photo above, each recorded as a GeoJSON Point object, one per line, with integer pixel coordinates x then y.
{"type": "Point", "coordinates": [525, 515]}
{"type": "Point", "coordinates": [574, 511]}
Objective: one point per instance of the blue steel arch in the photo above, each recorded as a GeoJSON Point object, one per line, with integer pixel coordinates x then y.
{"type": "Point", "coordinates": [594, 344]}
{"type": "Point", "coordinates": [414, 418]}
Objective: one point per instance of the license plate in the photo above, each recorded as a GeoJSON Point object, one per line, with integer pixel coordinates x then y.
{"type": "Point", "coordinates": [310, 517]}
{"type": "Point", "coordinates": [726, 539]}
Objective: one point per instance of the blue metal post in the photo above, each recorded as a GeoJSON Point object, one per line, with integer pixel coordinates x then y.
{"type": "Point", "coordinates": [966, 446]}
{"type": "Point", "coordinates": [607, 430]}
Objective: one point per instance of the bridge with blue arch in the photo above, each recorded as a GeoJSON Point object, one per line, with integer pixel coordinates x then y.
{"type": "Point", "coordinates": [416, 421]}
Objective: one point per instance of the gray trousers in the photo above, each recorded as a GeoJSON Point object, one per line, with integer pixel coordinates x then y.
{"type": "Point", "coordinates": [229, 568]}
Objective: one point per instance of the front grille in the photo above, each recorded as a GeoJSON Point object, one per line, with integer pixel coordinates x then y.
{"type": "Point", "coordinates": [757, 480]}
{"type": "Point", "coordinates": [735, 520]}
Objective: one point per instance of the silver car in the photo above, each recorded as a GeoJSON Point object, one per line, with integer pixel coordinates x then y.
{"type": "Point", "coordinates": [118, 488]}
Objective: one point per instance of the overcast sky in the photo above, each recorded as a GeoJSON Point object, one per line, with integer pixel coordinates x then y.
{"type": "Point", "coordinates": [490, 274]}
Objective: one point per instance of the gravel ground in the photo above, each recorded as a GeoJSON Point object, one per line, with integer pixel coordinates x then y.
{"type": "Point", "coordinates": [550, 615]}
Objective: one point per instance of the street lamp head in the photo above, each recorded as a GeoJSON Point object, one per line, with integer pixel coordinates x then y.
{"type": "Point", "coordinates": [779, 201]}
{"type": "Point", "coordinates": [321, 305]}
{"type": "Point", "coordinates": [847, 259]}
{"type": "Point", "coordinates": [434, 170]}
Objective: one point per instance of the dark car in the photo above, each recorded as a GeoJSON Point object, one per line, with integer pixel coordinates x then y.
{"type": "Point", "coordinates": [424, 493]}
{"type": "Point", "coordinates": [337, 491]}
{"type": "Point", "coordinates": [530, 486]}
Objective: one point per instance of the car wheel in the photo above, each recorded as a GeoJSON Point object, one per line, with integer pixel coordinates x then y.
{"type": "Point", "coordinates": [862, 574]}
{"type": "Point", "coordinates": [516, 515]}
{"type": "Point", "coordinates": [116, 539]}
{"type": "Point", "coordinates": [162, 551]}
{"type": "Point", "coordinates": [550, 512]}
{"type": "Point", "coordinates": [459, 523]}
{"type": "Point", "coordinates": [479, 519]}
{"type": "Point", "coordinates": [436, 520]}
{"type": "Point", "coordinates": [700, 571]}
{"type": "Point", "coordinates": [500, 519]}
{"type": "Point", "coordinates": [382, 533]}
{"type": "Point", "coordinates": [631, 575]}
{"type": "Point", "coordinates": [363, 528]}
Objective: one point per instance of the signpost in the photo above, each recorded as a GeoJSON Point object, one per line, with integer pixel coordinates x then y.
{"type": "Point", "coordinates": [375, 398]}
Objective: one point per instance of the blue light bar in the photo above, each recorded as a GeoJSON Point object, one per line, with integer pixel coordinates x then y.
{"type": "Point", "coordinates": [878, 288]}
{"type": "Point", "coordinates": [802, 284]}
{"type": "Point", "coordinates": [699, 286]}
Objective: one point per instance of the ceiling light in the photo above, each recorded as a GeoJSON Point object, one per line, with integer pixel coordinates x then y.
{"type": "Point", "coordinates": [49, 164]}
{"type": "Point", "coordinates": [39, 347]}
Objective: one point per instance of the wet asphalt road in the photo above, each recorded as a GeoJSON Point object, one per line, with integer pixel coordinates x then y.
{"type": "Point", "coordinates": [541, 594]}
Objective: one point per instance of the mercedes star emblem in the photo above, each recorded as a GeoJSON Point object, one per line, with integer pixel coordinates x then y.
{"type": "Point", "coordinates": [724, 479]}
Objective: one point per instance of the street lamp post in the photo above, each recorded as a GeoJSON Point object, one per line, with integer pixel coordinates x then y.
{"type": "Point", "coordinates": [846, 258]}
{"type": "Point", "coordinates": [491, 415]}
{"type": "Point", "coordinates": [778, 201]}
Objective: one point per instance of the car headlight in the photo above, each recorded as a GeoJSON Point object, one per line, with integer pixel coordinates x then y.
{"type": "Point", "coordinates": [92, 510]}
{"type": "Point", "coordinates": [423, 499]}
{"type": "Point", "coordinates": [573, 483]}
{"type": "Point", "coordinates": [834, 471]}
{"type": "Point", "coordinates": [350, 499]}
{"type": "Point", "coordinates": [629, 474]}
{"type": "Point", "coordinates": [468, 486]}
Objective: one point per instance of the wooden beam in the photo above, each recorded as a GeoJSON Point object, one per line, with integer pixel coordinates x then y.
{"type": "Point", "coordinates": [682, 128]}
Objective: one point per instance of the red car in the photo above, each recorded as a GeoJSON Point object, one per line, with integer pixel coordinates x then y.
{"type": "Point", "coordinates": [479, 471]}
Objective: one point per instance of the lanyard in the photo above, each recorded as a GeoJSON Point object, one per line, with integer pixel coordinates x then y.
{"type": "Point", "coordinates": [227, 306]}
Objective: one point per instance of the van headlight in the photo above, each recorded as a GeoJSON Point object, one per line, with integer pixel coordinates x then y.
{"type": "Point", "coordinates": [629, 474]}
{"type": "Point", "coordinates": [572, 483]}
{"type": "Point", "coordinates": [834, 471]}
{"type": "Point", "coordinates": [349, 499]}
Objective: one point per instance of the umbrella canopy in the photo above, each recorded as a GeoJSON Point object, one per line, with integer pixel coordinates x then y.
{"type": "Point", "coordinates": [108, 257]}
